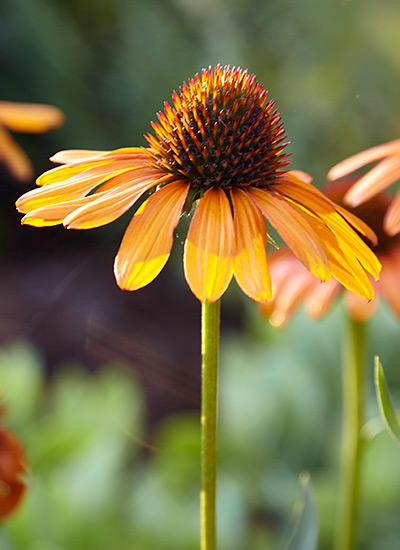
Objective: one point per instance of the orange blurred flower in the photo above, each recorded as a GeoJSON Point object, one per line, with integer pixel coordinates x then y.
{"type": "Point", "coordinates": [220, 144]}
{"type": "Point", "coordinates": [293, 285]}
{"type": "Point", "coordinates": [25, 118]}
{"type": "Point", "coordinates": [386, 172]}
{"type": "Point", "coordinates": [12, 468]}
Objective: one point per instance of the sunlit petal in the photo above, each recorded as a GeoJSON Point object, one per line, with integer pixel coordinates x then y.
{"type": "Point", "coordinates": [313, 201]}
{"type": "Point", "coordinates": [147, 243]}
{"type": "Point", "coordinates": [295, 230]}
{"type": "Point", "coordinates": [208, 258]}
{"type": "Point", "coordinates": [250, 262]}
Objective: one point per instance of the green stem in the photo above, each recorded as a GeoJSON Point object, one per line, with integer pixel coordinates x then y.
{"type": "Point", "coordinates": [210, 321]}
{"type": "Point", "coordinates": [353, 395]}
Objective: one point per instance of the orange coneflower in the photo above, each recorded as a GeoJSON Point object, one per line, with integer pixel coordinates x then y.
{"type": "Point", "coordinates": [220, 147]}
{"type": "Point", "coordinates": [386, 172]}
{"type": "Point", "coordinates": [12, 468]}
{"type": "Point", "coordinates": [26, 118]}
{"type": "Point", "coordinates": [293, 285]}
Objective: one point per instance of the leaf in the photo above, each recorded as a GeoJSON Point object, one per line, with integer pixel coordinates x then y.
{"type": "Point", "coordinates": [385, 402]}
{"type": "Point", "coordinates": [303, 534]}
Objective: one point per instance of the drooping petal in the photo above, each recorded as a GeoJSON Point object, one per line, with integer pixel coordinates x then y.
{"type": "Point", "coordinates": [389, 282]}
{"type": "Point", "coordinates": [291, 293]}
{"type": "Point", "coordinates": [71, 156]}
{"type": "Point", "coordinates": [250, 261]}
{"type": "Point", "coordinates": [295, 230]}
{"type": "Point", "coordinates": [147, 243]}
{"type": "Point", "coordinates": [30, 117]}
{"type": "Point", "coordinates": [358, 224]}
{"type": "Point", "coordinates": [208, 256]}
{"type": "Point", "coordinates": [355, 162]}
{"type": "Point", "coordinates": [310, 199]}
{"type": "Point", "coordinates": [321, 298]}
{"type": "Point", "coordinates": [391, 223]}
{"type": "Point", "coordinates": [360, 310]}
{"type": "Point", "coordinates": [106, 207]}
{"type": "Point", "coordinates": [14, 158]}
{"type": "Point", "coordinates": [377, 179]}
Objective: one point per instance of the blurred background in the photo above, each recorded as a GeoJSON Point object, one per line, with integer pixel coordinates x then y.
{"type": "Point", "coordinates": [103, 386]}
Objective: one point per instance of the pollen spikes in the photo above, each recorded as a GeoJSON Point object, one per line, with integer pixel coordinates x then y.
{"type": "Point", "coordinates": [221, 131]}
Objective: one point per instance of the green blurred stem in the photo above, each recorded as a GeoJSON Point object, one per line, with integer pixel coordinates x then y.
{"type": "Point", "coordinates": [354, 397]}
{"type": "Point", "coordinates": [210, 323]}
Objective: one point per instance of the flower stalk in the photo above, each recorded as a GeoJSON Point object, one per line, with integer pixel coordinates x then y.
{"type": "Point", "coordinates": [354, 396]}
{"type": "Point", "coordinates": [210, 327]}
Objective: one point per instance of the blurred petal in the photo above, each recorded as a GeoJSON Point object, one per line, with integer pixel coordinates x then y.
{"type": "Point", "coordinates": [208, 257]}
{"type": "Point", "coordinates": [378, 178]}
{"type": "Point", "coordinates": [30, 117]}
{"type": "Point", "coordinates": [322, 297]}
{"type": "Point", "coordinates": [250, 262]}
{"type": "Point", "coordinates": [355, 162]}
{"type": "Point", "coordinates": [295, 230]}
{"type": "Point", "coordinates": [147, 243]}
{"type": "Point", "coordinates": [14, 158]}
{"type": "Point", "coordinates": [360, 310]}
{"type": "Point", "coordinates": [389, 282]}
{"type": "Point", "coordinates": [391, 223]}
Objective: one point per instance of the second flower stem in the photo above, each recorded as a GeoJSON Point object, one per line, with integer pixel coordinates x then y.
{"type": "Point", "coordinates": [353, 395]}
{"type": "Point", "coordinates": [210, 324]}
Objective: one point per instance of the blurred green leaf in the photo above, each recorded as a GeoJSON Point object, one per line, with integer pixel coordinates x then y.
{"type": "Point", "coordinates": [304, 532]}
{"type": "Point", "coordinates": [385, 402]}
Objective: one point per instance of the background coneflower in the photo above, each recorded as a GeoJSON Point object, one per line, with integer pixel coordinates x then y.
{"type": "Point", "coordinates": [30, 118]}
{"type": "Point", "coordinates": [293, 285]}
{"type": "Point", "coordinates": [386, 172]}
{"type": "Point", "coordinates": [12, 470]}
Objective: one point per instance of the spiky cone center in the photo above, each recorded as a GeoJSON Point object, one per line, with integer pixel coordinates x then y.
{"type": "Point", "coordinates": [221, 131]}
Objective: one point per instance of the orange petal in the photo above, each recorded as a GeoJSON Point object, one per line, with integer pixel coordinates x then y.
{"type": "Point", "coordinates": [104, 208]}
{"type": "Point", "coordinates": [358, 224]}
{"type": "Point", "coordinates": [360, 310]}
{"type": "Point", "coordinates": [391, 223]}
{"type": "Point", "coordinates": [60, 192]}
{"type": "Point", "coordinates": [310, 199]}
{"type": "Point", "coordinates": [14, 158]}
{"type": "Point", "coordinates": [377, 179]}
{"type": "Point", "coordinates": [295, 230]}
{"type": "Point", "coordinates": [250, 261]}
{"type": "Point", "coordinates": [321, 298]}
{"type": "Point", "coordinates": [355, 162]}
{"type": "Point", "coordinates": [147, 243]}
{"type": "Point", "coordinates": [389, 281]}
{"type": "Point", "coordinates": [208, 257]}
{"type": "Point", "coordinates": [71, 156]}
{"type": "Point", "coordinates": [30, 117]}
{"type": "Point", "coordinates": [301, 175]}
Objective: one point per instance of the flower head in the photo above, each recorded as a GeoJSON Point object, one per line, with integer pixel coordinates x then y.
{"type": "Point", "coordinates": [293, 285]}
{"type": "Point", "coordinates": [12, 468]}
{"type": "Point", "coordinates": [26, 118]}
{"type": "Point", "coordinates": [386, 172]}
{"type": "Point", "coordinates": [220, 148]}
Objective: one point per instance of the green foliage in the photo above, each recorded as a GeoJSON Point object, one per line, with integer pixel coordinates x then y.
{"type": "Point", "coordinates": [97, 481]}
{"type": "Point", "coordinates": [386, 406]}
